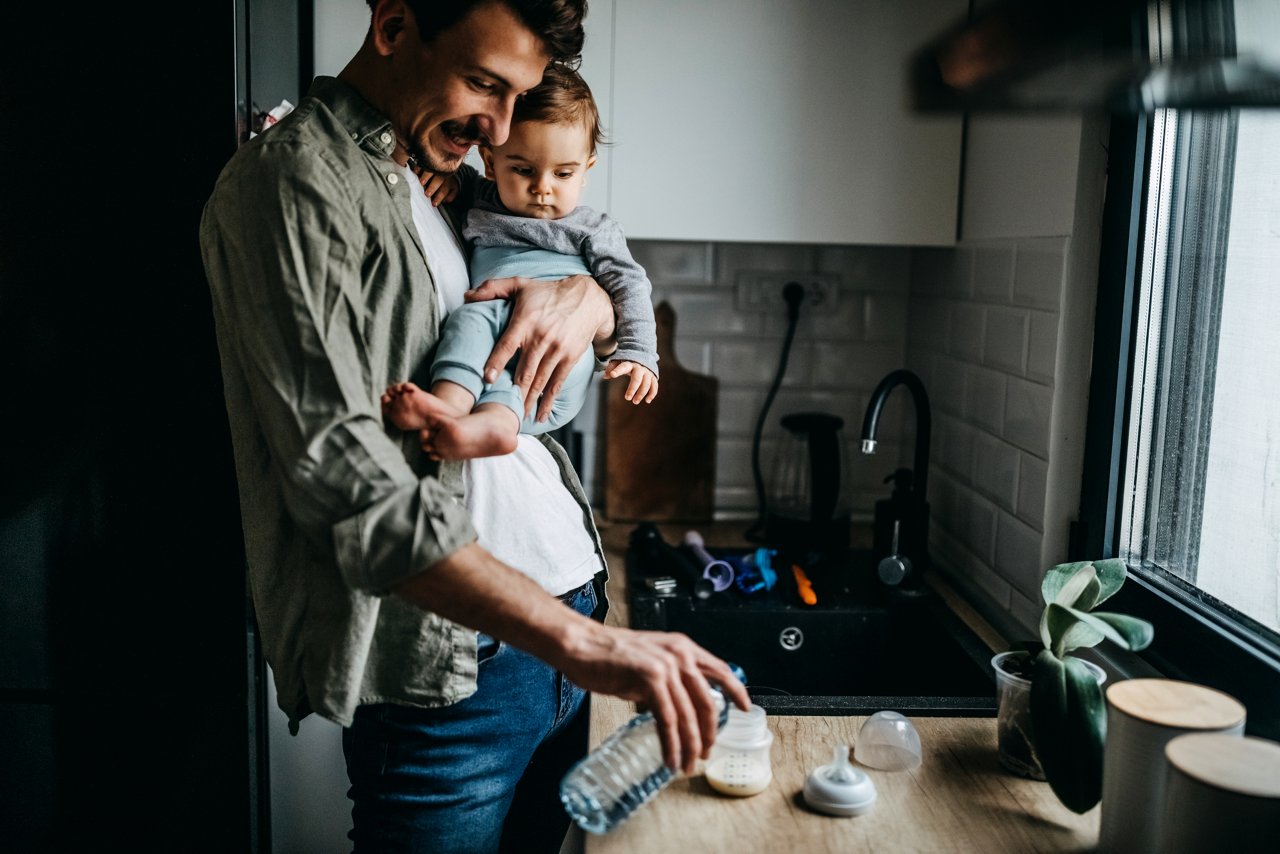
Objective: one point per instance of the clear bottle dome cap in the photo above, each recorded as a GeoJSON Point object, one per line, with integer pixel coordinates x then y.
{"type": "Point", "coordinates": [888, 741]}
{"type": "Point", "coordinates": [839, 788]}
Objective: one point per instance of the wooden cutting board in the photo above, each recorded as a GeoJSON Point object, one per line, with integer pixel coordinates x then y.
{"type": "Point", "coordinates": [660, 457]}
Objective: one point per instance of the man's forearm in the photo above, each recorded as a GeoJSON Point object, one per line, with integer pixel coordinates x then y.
{"type": "Point", "coordinates": [475, 589]}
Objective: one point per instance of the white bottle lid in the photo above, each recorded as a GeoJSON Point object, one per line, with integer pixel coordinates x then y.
{"type": "Point", "coordinates": [839, 788]}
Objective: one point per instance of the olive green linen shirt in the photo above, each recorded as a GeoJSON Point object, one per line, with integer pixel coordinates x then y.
{"type": "Point", "coordinates": [322, 298]}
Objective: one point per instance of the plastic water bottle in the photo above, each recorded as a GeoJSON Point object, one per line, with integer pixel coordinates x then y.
{"type": "Point", "coordinates": [621, 775]}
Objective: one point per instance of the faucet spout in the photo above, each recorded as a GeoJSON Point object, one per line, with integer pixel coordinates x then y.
{"type": "Point", "coordinates": [923, 422]}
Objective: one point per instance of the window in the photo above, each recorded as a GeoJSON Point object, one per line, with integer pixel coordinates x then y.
{"type": "Point", "coordinates": [1183, 458]}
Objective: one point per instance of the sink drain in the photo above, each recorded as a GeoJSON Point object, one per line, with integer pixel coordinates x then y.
{"type": "Point", "coordinates": [791, 638]}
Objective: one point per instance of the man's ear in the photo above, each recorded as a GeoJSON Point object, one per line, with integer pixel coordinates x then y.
{"type": "Point", "coordinates": [486, 154]}
{"type": "Point", "coordinates": [389, 22]}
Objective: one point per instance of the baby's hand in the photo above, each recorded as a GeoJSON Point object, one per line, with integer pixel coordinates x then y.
{"type": "Point", "coordinates": [439, 186]}
{"type": "Point", "coordinates": [643, 387]}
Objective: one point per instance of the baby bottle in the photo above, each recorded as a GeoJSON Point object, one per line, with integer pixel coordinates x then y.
{"type": "Point", "coordinates": [739, 762]}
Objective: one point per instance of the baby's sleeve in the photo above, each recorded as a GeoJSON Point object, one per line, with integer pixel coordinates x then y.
{"type": "Point", "coordinates": [628, 285]}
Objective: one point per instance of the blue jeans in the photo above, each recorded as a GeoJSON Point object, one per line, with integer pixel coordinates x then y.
{"type": "Point", "coordinates": [481, 775]}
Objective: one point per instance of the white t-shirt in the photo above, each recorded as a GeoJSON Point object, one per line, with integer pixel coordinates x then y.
{"type": "Point", "coordinates": [522, 511]}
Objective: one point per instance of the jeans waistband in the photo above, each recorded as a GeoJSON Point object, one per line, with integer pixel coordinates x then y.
{"type": "Point", "coordinates": [573, 594]}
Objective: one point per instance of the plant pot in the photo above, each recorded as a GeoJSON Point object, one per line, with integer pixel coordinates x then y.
{"type": "Point", "coordinates": [1013, 712]}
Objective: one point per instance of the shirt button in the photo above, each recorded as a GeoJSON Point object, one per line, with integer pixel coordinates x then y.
{"type": "Point", "coordinates": [355, 136]}
{"type": "Point", "coordinates": [386, 138]}
{"type": "Point", "coordinates": [393, 178]}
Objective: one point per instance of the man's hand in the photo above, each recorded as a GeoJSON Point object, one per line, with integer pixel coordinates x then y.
{"type": "Point", "coordinates": [666, 673]}
{"type": "Point", "coordinates": [551, 325]}
{"type": "Point", "coordinates": [642, 388]}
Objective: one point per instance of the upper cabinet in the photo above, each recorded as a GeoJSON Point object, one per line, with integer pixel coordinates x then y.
{"type": "Point", "coordinates": [767, 121]}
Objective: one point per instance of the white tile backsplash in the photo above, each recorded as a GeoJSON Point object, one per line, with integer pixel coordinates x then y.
{"type": "Point", "coordinates": [1005, 344]}
{"type": "Point", "coordinates": [1042, 346]}
{"type": "Point", "coordinates": [1018, 553]}
{"type": "Point", "coordinates": [1028, 406]}
{"type": "Point", "coordinates": [993, 272]}
{"type": "Point", "coordinates": [995, 470]}
{"type": "Point", "coordinates": [984, 397]}
{"type": "Point", "coordinates": [964, 338]}
{"type": "Point", "coordinates": [673, 263]}
{"type": "Point", "coordinates": [1039, 270]}
{"type": "Point", "coordinates": [1032, 477]}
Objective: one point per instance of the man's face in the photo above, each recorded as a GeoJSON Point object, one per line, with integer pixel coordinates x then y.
{"type": "Point", "coordinates": [460, 89]}
{"type": "Point", "coordinates": [541, 169]}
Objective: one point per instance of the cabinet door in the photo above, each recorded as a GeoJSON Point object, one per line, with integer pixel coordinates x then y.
{"type": "Point", "coordinates": [759, 120]}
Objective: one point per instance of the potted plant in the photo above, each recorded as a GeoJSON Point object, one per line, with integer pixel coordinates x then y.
{"type": "Point", "coordinates": [1052, 715]}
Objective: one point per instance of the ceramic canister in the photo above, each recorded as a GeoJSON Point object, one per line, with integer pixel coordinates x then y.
{"type": "Point", "coordinates": [1222, 793]}
{"type": "Point", "coordinates": [1144, 715]}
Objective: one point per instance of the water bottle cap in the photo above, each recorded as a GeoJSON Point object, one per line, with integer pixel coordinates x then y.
{"type": "Point", "coordinates": [839, 788]}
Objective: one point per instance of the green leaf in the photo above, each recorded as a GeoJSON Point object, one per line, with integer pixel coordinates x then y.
{"type": "Point", "coordinates": [1120, 629]}
{"type": "Point", "coordinates": [1056, 578]}
{"type": "Point", "coordinates": [1137, 633]}
{"type": "Point", "coordinates": [1069, 728]}
{"type": "Point", "coordinates": [1081, 589]}
{"type": "Point", "coordinates": [1066, 629]}
{"type": "Point", "coordinates": [1111, 576]}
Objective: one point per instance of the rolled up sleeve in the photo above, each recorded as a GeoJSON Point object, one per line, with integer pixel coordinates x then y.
{"type": "Point", "coordinates": [287, 268]}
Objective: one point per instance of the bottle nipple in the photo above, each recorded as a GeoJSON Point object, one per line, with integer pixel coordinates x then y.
{"type": "Point", "coordinates": [839, 788]}
{"type": "Point", "coordinates": [841, 770]}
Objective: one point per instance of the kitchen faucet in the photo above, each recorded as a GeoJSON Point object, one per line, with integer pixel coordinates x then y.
{"type": "Point", "coordinates": [902, 521]}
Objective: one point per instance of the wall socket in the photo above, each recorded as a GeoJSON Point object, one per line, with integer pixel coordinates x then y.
{"type": "Point", "coordinates": [761, 292]}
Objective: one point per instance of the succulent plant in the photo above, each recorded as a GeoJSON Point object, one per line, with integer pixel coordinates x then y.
{"type": "Point", "coordinates": [1068, 712]}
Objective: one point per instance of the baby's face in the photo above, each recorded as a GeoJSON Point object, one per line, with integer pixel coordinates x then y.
{"type": "Point", "coordinates": [541, 169]}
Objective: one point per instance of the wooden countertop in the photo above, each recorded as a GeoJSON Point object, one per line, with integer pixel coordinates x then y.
{"type": "Point", "coordinates": [959, 799]}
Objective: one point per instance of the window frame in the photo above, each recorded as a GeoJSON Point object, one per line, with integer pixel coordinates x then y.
{"type": "Point", "coordinates": [1197, 638]}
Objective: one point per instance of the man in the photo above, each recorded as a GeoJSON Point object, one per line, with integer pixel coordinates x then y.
{"type": "Point", "coordinates": [329, 277]}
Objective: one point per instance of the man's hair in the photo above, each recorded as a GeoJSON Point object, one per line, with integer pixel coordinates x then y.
{"type": "Point", "coordinates": [557, 23]}
{"type": "Point", "coordinates": [562, 98]}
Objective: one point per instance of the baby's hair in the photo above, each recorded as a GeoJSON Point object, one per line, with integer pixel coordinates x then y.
{"type": "Point", "coordinates": [562, 98]}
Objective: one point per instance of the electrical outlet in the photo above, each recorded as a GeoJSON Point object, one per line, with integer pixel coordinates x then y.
{"type": "Point", "coordinates": [762, 291]}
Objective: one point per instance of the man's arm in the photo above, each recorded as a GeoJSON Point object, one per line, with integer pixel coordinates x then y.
{"type": "Point", "coordinates": [664, 671]}
{"type": "Point", "coordinates": [551, 325]}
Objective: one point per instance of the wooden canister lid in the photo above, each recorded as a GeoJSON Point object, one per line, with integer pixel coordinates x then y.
{"type": "Point", "coordinates": [1168, 702]}
{"type": "Point", "coordinates": [1236, 763]}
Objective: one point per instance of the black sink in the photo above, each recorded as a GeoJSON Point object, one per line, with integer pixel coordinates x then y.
{"type": "Point", "coordinates": [862, 648]}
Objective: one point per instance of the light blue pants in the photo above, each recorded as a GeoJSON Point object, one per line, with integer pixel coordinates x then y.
{"type": "Point", "coordinates": [465, 344]}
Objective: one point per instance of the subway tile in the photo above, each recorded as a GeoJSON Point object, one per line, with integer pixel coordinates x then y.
{"type": "Point", "coordinates": [859, 366]}
{"type": "Point", "coordinates": [993, 272]}
{"type": "Point", "coordinates": [843, 321]}
{"type": "Point", "coordinates": [929, 323]}
{"type": "Point", "coordinates": [971, 569]}
{"type": "Point", "coordinates": [931, 270]}
{"type": "Point", "coordinates": [948, 391]}
{"type": "Point", "coordinates": [943, 501]}
{"type": "Point", "coordinates": [1006, 339]}
{"type": "Point", "coordinates": [738, 410]}
{"type": "Point", "coordinates": [964, 340]}
{"type": "Point", "coordinates": [733, 461]}
{"type": "Point", "coordinates": [1039, 269]}
{"type": "Point", "coordinates": [1028, 408]}
{"type": "Point", "coordinates": [960, 281]}
{"type": "Point", "coordinates": [1042, 346]}
{"type": "Point", "coordinates": [710, 312]}
{"type": "Point", "coordinates": [995, 470]}
{"type": "Point", "coordinates": [1026, 612]}
{"type": "Point", "coordinates": [693, 354]}
{"type": "Point", "coordinates": [980, 525]}
{"type": "Point", "coordinates": [957, 450]}
{"type": "Point", "coordinates": [884, 317]}
{"type": "Point", "coordinates": [868, 268]}
{"type": "Point", "coordinates": [1033, 474]}
{"type": "Point", "coordinates": [756, 362]}
{"type": "Point", "coordinates": [984, 398]}
{"type": "Point", "coordinates": [848, 407]}
{"type": "Point", "coordinates": [735, 258]}
{"type": "Point", "coordinates": [675, 262]}
{"type": "Point", "coordinates": [1018, 553]}
{"type": "Point", "coordinates": [733, 501]}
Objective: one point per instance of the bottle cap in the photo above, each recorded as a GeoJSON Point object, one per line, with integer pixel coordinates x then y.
{"type": "Point", "coordinates": [839, 788]}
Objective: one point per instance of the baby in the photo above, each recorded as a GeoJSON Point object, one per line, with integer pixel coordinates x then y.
{"type": "Point", "coordinates": [525, 221]}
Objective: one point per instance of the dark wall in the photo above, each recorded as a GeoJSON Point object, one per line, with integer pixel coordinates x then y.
{"type": "Point", "coordinates": [124, 693]}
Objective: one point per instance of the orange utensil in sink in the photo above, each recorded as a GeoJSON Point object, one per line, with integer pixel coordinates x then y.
{"type": "Point", "coordinates": [804, 585]}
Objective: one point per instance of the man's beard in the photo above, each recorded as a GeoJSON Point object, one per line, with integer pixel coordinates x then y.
{"type": "Point", "coordinates": [422, 159]}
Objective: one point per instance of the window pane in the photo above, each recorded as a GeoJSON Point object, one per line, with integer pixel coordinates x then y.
{"type": "Point", "coordinates": [1202, 497]}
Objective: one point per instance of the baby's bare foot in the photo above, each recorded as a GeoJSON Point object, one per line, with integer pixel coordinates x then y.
{"type": "Point", "coordinates": [488, 431]}
{"type": "Point", "coordinates": [406, 406]}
